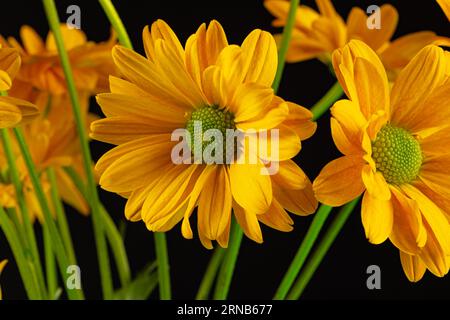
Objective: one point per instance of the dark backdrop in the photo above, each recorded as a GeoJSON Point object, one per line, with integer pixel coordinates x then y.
{"type": "Point", "coordinates": [342, 274]}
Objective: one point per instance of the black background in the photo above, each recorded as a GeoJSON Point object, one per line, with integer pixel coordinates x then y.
{"type": "Point", "coordinates": [342, 274]}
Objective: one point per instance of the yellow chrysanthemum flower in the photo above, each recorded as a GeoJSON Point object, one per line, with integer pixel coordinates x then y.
{"type": "Point", "coordinates": [41, 67]}
{"type": "Point", "coordinates": [224, 87]}
{"type": "Point", "coordinates": [445, 5]}
{"type": "Point", "coordinates": [53, 142]}
{"type": "Point", "coordinates": [2, 266]}
{"type": "Point", "coordinates": [318, 34]}
{"type": "Point", "coordinates": [12, 111]}
{"type": "Point", "coordinates": [396, 153]}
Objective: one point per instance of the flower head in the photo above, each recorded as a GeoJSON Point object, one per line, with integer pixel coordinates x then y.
{"type": "Point", "coordinates": [318, 34]}
{"type": "Point", "coordinates": [395, 152]}
{"type": "Point", "coordinates": [12, 111]}
{"type": "Point", "coordinates": [41, 68]}
{"type": "Point", "coordinates": [221, 87]}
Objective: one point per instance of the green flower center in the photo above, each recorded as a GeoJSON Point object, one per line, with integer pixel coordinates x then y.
{"type": "Point", "coordinates": [397, 155]}
{"type": "Point", "coordinates": [207, 118]}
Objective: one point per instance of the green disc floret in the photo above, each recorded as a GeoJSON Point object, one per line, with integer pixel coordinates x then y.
{"type": "Point", "coordinates": [397, 155]}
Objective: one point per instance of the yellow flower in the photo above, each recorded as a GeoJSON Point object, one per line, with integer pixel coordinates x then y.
{"type": "Point", "coordinates": [53, 142]}
{"type": "Point", "coordinates": [395, 147]}
{"type": "Point", "coordinates": [445, 5]}
{"type": "Point", "coordinates": [318, 34]}
{"type": "Point", "coordinates": [224, 87]}
{"type": "Point", "coordinates": [2, 266]}
{"type": "Point", "coordinates": [12, 111]}
{"type": "Point", "coordinates": [91, 62]}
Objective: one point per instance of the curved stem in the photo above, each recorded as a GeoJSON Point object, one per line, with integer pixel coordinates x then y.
{"type": "Point", "coordinates": [50, 265]}
{"type": "Point", "coordinates": [102, 250]}
{"type": "Point", "coordinates": [163, 266]}
{"type": "Point", "coordinates": [116, 22]}
{"type": "Point", "coordinates": [210, 274]}
{"type": "Point", "coordinates": [321, 251]}
{"type": "Point", "coordinates": [284, 45]}
{"type": "Point", "coordinates": [327, 100]}
{"type": "Point", "coordinates": [229, 262]}
{"type": "Point", "coordinates": [303, 251]}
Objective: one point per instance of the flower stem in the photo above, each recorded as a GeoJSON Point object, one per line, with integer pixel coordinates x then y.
{"type": "Point", "coordinates": [112, 234]}
{"type": "Point", "coordinates": [61, 218]}
{"type": "Point", "coordinates": [321, 251]}
{"type": "Point", "coordinates": [327, 100]}
{"type": "Point", "coordinates": [229, 262]}
{"type": "Point", "coordinates": [31, 286]}
{"type": "Point", "coordinates": [116, 22]}
{"type": "Point", "coordinates": [60, 251]}
{"type": "Point", "coordinates": [26, 227]}
{"type": "Point", "coordinates": [102, 250]}
{"type": "Point", "coordinates": [163, 266]}
{"type": "Point", "coordinates": [210, 274]}
{"type": "Point", "coordinates": [284, 45]}
{"type": "Point", "coordinates": [303, 252]}
{"type": "Point", "coordinates": [50, 266]}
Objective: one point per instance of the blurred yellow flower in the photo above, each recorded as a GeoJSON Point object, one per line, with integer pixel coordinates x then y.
{"type": "Point", "coordinates": [225, 87]}
{"type": "Point", "coordinates": [318, 34]}
{"type": "Point", "coordinates": [12, 111]}
{"type": "Point", "coordinates": [395, 146]}
{"type": "Point", "coordinates": [91, 62]}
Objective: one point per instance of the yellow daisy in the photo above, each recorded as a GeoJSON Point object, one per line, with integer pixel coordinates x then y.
{"type": "Point", "coordinates": [2, 266]}
{"type": "Point", "coordinates": [41, 67]}
{"type": "Point", "coordinates": [223, 87]}
{"type": "Point", "coordinates": [445, 5]}
{"type": "Point", "coordinates": [318, 34]}
{"type": "Point", "coordinates": [12, 111]}
{"type": "Point", "coordinates": [395, 152]}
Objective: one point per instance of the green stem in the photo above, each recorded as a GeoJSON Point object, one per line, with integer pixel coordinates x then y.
{"type": "Point", "coordinates": [112, 234]}
{"type": "Point", "coordinates": [321, 250]}
{"type": "Point", "coordinates": [31, 286]}
{"type": "Point", "coordinates": [327, 100]}
{"type": "Point", "coordinates": [303, 252]}
{"type": "Point", "coordinates": [61, 218]}
{"type": "Point", "coordinates": [116, 22]}
{"type": "Point", "coordinates": [102, 250]}
{"type": "Point", "coordinates": [163, 266]}
{"type": "Point", "coordinates": [60, 252]}
{"type": "Point", "coordinates": [26, 227]}
{"type": "Point", "coordinates": [229, 262]}
{"type": "Point", "coordinates": [210, 274]}
{"type": "Point", "coordinates": [50, 266]}
{"type": "Point", "coordinates": [284, 45]}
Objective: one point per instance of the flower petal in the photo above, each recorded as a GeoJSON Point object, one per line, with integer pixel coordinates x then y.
{"type": "Point", "coordinates": [249, 223]}
{"type": "Point", "coordinates": [277, 218]}
{"type": "Point", "coordinates": [340, 181]}
{"type": "Point", "coordinates": [377, 218]}
{"type": "Point", "coordinates": [413, 267]}
{"type": "Point", "coordinates": [375, 184]}
{"type": "Point", "coordinates": [161, 30]}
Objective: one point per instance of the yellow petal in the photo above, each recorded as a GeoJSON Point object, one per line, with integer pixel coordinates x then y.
{"type": "Point", "coordinates": [408, 233]}
{"type": "Point", "coordinates": [377, 218]}
{"type": "Point", "coordinates": [72, 38]}
{"type": "Point", "coordinates": [300, 120]}
{"type": "Point", "coordinates": [10, 115]}
{"type": "Point", "coordinates": [214, 204]}
{"type": "Point", "coordinates": [340, 181]}
{"type": "Point", "coordinates": [341, 140]}
{"type": "Point", "coordinates": [214, 86]}
{"type": "Point", "coordinates": [352, 122]}
{"type": "Point", "coordinates": [251, 187]}
{"type": "Point", "coordinates": [10, 62]}
{"type": "Point", "coordinates": [125, 87]}
{"type": "Point", "coordinates": [413, 267]}
{"type": "Point", "coordinates": [415, 84]}
{"type": "Point", "coordinates": [435, 172]}
{"type": "Point", "coordinates": [5, 81]}
{"type": "Point", "coordinates": [434, 255]}
{"type": "Point", "coordinates": [31, 40]}
{"type": "Point", "coordinates": [249, 223]}
{"type": "Point", "coordinates": [277, 218]}
{"type": "Point", "coordinates": [260, 57]}
{"type": "Point", "coordinates": [250, 101]}
{"type": "Point", "coordinates": [301, 202]}
{"type": "Point", "coordinates": [375, 38]}
{"type": "Point", "coordinates": [439, 226]}
{"type": "Point", "coordinates": [2, 266]}
{"type": "Point", "coordinates": [274, 116]}
{"type": "Point", "coordinates": [375, 184]}
{"type": "Point", "coordinates": [445, 5]}
{"type": "Point", "coordinates": [436, 143]}
{"type": "Point", "coordinates": [160, 30]}
{"type": "Point", "coordinates": [290, 176]}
